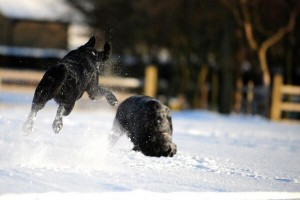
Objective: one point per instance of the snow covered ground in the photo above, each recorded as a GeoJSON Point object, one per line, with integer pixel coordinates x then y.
{"type": "Point", "coordinates": [219, 157]}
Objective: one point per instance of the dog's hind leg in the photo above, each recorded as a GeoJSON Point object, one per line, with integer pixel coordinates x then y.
{"type": "Point", "coordinates": [28, 125]}
{"type": "Point", "coordinates": [63, 110]}
{"type": "Point", "coordinates": [57, 123]}
{"type": "Point", "coordinates": [43, 93]}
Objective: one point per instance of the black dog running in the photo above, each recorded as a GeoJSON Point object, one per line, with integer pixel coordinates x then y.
{"type": "Point", "coordinates": [147, 123]}
{"type": "Point", "coordinates": [66, 82]}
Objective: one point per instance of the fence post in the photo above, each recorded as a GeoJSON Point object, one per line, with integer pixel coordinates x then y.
{"type": "Point", "coordinates": [201, 90]}
{"type": "Point", "coordinates": [276, 98]}
{"type": "Point", "coordinates": [214, 91]}
{"type": "Point", "coordinates": [203, 87]}
{"type": "Point", "coordinates": [150, 87]}
{"type": "Point", "coordinates": [238, 96]}
{"type": "Point", "coordinates": [250, 97]}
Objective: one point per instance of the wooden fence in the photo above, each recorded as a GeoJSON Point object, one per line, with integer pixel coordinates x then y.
{"type": "Point", "coordinates": [26, 81]}
{"type": "Point", "coordinates": [278, 105]}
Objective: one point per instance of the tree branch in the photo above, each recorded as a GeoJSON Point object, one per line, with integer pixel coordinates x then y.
{"type": "Point", "coordinates": [281, 32]}
{"type": "Point", "coordinates": [262, 53]}
{"type": "Point", "coordinates": [248, 26]}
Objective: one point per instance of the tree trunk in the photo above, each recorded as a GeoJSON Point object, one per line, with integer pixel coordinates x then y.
{"type": "Point", "coordinates": [262, 52]}
{"type": "Point", "coordinates": [262, 55]}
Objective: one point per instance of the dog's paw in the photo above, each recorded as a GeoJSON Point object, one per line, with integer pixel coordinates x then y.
{"type": "Point", "coordinates": [113, 103]}
{"type": "Point", "coordinates": [173, 150]}
{"type": "Point", "coordinates": [57, 125]}
{"type": "Point", "coordinates": [28, 126]}
{"type": "Point", "coordinates": [170, 150]}
{"type": "Point", "coordinates": [112, 100]}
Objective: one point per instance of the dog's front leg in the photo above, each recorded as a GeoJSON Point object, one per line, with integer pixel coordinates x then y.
{"type": "Point", "coordinates": [57, 123]}
{"type": "Point", "coordinates": [99, 92]}
{"type": "Point", "coordinates": [110, 97]}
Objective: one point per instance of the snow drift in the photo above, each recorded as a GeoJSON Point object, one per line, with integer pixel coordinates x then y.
{"type": "Point", "coordinates": [216, 154]}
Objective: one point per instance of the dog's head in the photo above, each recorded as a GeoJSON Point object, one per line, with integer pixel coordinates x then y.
{"type": "Point", "coordinates": [158, 121]}
{"type": "Point", "coordinates": [96, 57]}
{"type": "Point", "coordinates": [155, 128]}
{"type": "Point", "coordinates": [158, 130]}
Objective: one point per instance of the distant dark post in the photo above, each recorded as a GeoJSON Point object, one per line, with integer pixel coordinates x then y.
{"type": "Point", "coordinates": [226, 88]}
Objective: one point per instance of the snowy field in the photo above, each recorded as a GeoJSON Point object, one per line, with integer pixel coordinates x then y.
{"type": "Point", "coordinates": [219, 157]}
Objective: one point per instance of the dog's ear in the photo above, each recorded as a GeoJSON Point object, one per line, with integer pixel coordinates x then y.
{"type": "Point", "coordinates": [106, 51]}
{"type": "Point", "coordinates": [152, 104]}
{"type": "Point", "coordinates": [91, 43]}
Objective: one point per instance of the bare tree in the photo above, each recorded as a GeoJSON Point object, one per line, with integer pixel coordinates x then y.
{"type": "Point", "coordinates": [250, 20]}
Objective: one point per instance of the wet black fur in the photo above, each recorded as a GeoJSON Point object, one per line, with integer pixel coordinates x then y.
{"type": "Point", "coordinates": [66, 82]}
{"type": "Point", "coordinates": [148, 124]}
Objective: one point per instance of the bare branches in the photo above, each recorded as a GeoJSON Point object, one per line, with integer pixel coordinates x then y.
{"type": "Point", "coordinates": [281, 32]}
{"type": "Point", "coordinates": [248, 25]}
{"type": "Point", "coordinates": [248, 21]}
{"type": "Point", "coordinates": [273, 39]}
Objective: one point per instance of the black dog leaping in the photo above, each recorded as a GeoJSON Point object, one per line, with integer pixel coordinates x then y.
{"type": "Point", "coordinates": [66, 82]}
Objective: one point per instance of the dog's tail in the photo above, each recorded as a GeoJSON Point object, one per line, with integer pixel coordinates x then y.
{"type": "Point", "coordinates": [49, 84]}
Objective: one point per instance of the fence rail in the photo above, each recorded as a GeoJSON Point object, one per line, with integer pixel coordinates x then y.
{"type": "Point", "coordinates": [278, 105]}
{"type": "Point", "coordinates": [27, 80]}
